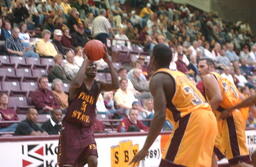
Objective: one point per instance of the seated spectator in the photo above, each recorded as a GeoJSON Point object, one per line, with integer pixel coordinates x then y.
{"type": "Point", "coordinates": [7, 114]}
{"type": "Point", "coordinates": [121, 40]}
{"type": "Point", "coordinates": [24, 35]}
{"type": "Point", "coordinates": [139, 81]}
{"type": "Point", "coordinates": [44, 47]}
{"type": "Point", "coordinates": [123, 96]}
{"type": "Point", "coordinates": [131, 123]}
{"type": "Point", "coordinates": [66, 39]}
{"type": "Point", "coordinates": [43, 99]}
{"type": "Point", "coordinates": [245, 54]}
{"type": "Point", "coordinates": [57, 36]}
{"type": "Point", "coordinates": [79, 56]}
{"type": "Point", "coordinates": [29, 125]}
{"type": "Point", "coordinates": [6, 31]}
{"type": "Point", "coordinates": [70, 67]}
{"type": "Point", "coordinates": [14, 46]}
{"type": "Point", "coordinates": [20, 12]}
{"type": "Point", "coordinates": [230, 53]}
{"type": "Point", "coordinates": [53, 125]}
{"type": "Point", "coordinates": [241, 80]}
{"type": "Point", "coordinates": [79, 37]}
{"type": "Point", "coordinates": [57, 71]}
{"type": "Point", "coordinates": [142, 113]}
{"type": "Point", "coordinates": [181, 65]}
{"type": "Point", "coordinates": [60, 95]}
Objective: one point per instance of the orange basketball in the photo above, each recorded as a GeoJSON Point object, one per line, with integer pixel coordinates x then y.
{"type": "Point", "coordinates": [94, 50]}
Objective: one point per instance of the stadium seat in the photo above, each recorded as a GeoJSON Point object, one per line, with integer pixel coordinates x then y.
{"type": "Point", "coordinates": [38, 72]}
{"type": "Point", "coordinates": [12, 78]}
{"type": "Point", "coordinates": [4, 59]}
{"type": "Point", "coordinates": [32, 60]}
{"type": "Point", "coordinates": [23, 71]}
{"type": "Point", "coordinates": [7, 70]}
{"type": "Point", "coordinates": [17, 60]}
{"type": "Point", "coordinates": [18, 93]}
{"type": "Point", "coordinates": [17, 101]}
{"type": "Point", "coordinates": [10, 86]}
{"type": "Point", "coordinates": [47, 61]}
{"type": "Point", "coordinates": [30, 79]}
{"type": "Point", "coordinates": [28, 86]}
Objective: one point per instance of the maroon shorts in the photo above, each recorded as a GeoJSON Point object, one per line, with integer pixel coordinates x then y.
{"type": "Point", "coordinates": [76, 145]}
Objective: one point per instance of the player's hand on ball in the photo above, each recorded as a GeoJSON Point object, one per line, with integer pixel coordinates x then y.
{"type": "Point", "coordinates": [138, 157]}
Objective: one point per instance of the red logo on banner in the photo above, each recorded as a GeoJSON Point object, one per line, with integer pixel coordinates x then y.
{"type": "Point", "coordinates": [40, 151]}
{"type": "Point", "coordinates": [25, 163]}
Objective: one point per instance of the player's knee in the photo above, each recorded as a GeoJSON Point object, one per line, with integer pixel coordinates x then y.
{"type": "Point", "coordinates": [92, 161]}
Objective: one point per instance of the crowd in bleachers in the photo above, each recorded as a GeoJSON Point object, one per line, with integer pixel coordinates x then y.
{"type": "Point", "coordinates": [42, 41]}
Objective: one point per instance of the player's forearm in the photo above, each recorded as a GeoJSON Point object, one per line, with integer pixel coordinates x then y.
{"type": "Point", "coordinates": [155, 129]}
{"type": "Point", "coordinates": [246, 103]}
{"type": "Point", "coordinates": [79, 78]}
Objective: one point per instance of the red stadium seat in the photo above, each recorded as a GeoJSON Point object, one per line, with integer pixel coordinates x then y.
{"type": "Point", "coordinates": [39, 72]}
{"type": "Point", "coordinates": [17, 101]}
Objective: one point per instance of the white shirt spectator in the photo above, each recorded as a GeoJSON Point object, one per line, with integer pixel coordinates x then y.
{"type": "Point", "coordinates": [228, 76]}
{"type": "Point", "coordinates": [71, 69]}
{"type": "Point", "coordinates": [100, 25]}
{"type": "Point", "coordinates": [24, 37]}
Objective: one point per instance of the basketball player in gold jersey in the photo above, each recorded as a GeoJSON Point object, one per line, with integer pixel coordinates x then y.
{"type": "Point", "coordinates": [223, 94]}
{"type": "Point", "coordinates": [177, 99]}
{"type": "Point", "coordinates": [245, 103]}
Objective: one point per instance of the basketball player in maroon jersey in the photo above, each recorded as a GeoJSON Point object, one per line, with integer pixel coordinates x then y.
{"type": "Point", "coordinates": [77, 145]}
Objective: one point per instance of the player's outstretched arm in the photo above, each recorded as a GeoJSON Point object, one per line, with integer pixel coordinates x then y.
{"type": "Point", "coordinates": [158, 92]}
{"type": "Point", "coordinates": [114, 77]}
{"type": "Point", "coordinates": [245, 103]}
{"type": "Point", "coordinates": [213, 91]}
{"type": "Point", "coordinates": [79, 78]}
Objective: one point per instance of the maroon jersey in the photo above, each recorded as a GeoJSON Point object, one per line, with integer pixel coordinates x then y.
{"type": "Point", "coordinates": [81, 110]}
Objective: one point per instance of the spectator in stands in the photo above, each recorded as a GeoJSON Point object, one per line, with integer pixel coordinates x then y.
{"type": "Point", "coordinates": [6, 31]}
{"type": "Point", "coordinates": [7, 114]}
{"type": "Point", "coordinates": [123, 96]}
{"type": "Point", "coordinates": [14, 46]}
{"type": "Point", "coordinates": [180, 64]}
{"type": "Point", "coordinates": [245, 54]}
{"type": "Point", "coordinates": [252, 53]}
{"type": "Point", "coordinates": [44, 47]}
{"type": "Point", "coordinates": [101, 27]}
{"type": "Point", "coordinates": [24, 35]}
{"type": "Point", "coordinates": [53, 125]}
{"type": "Point", "coordinates": [140, 83]}
{"type": "Point", "coordinates": [72, 20]}
{"type": "Point", "coordinates": [60, 95]}
{"type": "Point", "coordinates": [146, 11]}
{"type": "Point", "coordinates": [79, 56]}
{"type": "Point", "coordinates": [57, 35]}
{"type": "Point", "coordinates": [43, 98]}
{"type": "Point", "coordinates": [29, 125]}
{"type": "Point", "coordinates": [121, 40]}
{"type": "Point", "coordinates": [131, 123]}
{"type": "Point", "coordinates": [57, 71]}
{"type": "Point", "coordinates": [79, 37]}
{"type": "Point", "coordinates": [122, 74]}
{"type": "Point", "coordinates": [70, 67]}
{"type": "Point", "coordinates": [20, 12]}
{"type": "Point", "coordinates": [241, 80]}
{"type": "Point", "coordinates": [66, 39]}
{"type": "Point", "coordinates": [223, 59]}
{"type": "Point", "coordinates": [65, 6]}
{"type": "Point", "coordinates": [245, 68]}
{"type": "Point", "coordinates": [230, 53]}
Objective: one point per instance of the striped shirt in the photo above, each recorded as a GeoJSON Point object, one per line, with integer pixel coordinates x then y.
{"type": "Point", "coordinates": [14, 44]}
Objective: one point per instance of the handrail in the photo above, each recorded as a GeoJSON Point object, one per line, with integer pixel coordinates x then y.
{"type": "Point", "coordinates": [56, 137]}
